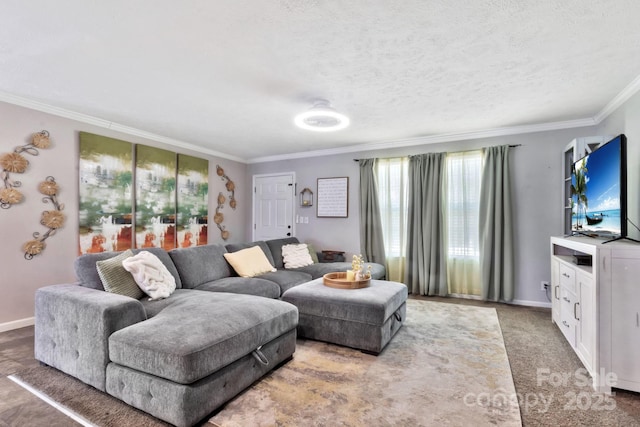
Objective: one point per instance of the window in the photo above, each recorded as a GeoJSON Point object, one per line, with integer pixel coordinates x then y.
{"type": "Point", "coordinates": [392, 177]}
{"type": "Point", "coordinates": [462, 201]}
{"type": "Point", "coordinates": [462, 204]}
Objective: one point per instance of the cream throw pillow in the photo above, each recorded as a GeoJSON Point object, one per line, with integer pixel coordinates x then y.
{"type": "Point", "coordinates": [116, 279]}
{"type": "Point", "coordinates": [296, 255]}
{"type": "Point", "coordinates": [151, 275]}
{"type": "Point", "coordinates": [249, 262]}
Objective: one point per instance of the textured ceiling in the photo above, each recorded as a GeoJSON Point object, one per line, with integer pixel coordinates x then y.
{"type": "Point", "coordinates": [229, 76]}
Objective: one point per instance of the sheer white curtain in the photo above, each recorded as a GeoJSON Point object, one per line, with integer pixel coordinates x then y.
{"type": "Point", "coordinates": [464, 172]}
{"type": "Point", "coordinates": [392, 197]}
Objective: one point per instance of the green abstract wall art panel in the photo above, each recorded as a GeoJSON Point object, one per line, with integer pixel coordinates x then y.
{"type": "Point", "coordinates": [155, 198]}
{"type": "Point", "coordinates": [105, 190]}
{"type": "Point", "coordinates": [193, 200]}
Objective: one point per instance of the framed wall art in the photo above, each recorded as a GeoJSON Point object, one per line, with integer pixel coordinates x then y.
{"type": "Point", "coordinates": [333, 197]}
{"type": "Point", "coordinates": [169, 192]}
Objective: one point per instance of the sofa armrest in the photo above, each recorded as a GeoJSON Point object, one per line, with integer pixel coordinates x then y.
{"type": "Point", "coordinates": [73, 325]}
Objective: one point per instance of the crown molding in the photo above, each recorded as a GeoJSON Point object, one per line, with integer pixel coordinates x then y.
{"type": "Point", "coordinates": [614, 104]}
{"type": "Point", "coordinates": [626, 93]}
{"type": "Point", "coordinates": [95, 121]}
{"type": "Point", "coordinates": [450, 137]}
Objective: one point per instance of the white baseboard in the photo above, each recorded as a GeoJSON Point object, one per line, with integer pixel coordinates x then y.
{"type": "Point", "coordinates": [465, 296]}
{"type": "Point", "coordinates": [531, 303]}
{"type": "Point", "coordinates": [17, 324]}
{"type": "Point", "coordinates": [514, 302]}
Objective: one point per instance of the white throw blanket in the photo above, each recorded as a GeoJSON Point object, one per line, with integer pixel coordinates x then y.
{"type": "Point", "coordinates": [151, 275]}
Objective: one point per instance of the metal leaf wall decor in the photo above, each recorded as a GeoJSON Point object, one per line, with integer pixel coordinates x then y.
{"type": "Point", "coordinates": [52, 219]}
{"type": "Point", "coordinates": [218, 218]}
{"type": "Point", "coordinates": [15, 162]}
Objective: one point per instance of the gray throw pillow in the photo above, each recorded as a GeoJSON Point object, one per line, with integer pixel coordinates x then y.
{"type": "Point", "coordinates": [313, 253]}
{"type": "Point", "coordinates": [116, 279]}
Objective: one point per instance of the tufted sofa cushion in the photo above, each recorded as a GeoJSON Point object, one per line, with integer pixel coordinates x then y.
{"type": "Point", "coordinates": [243, 285]}
{"type": "Point", "coordinates": [286, 279]}
{"type": "Point", "coordinates": [219, 329]}
{"type": "Point", "coordinates": [200, 264]}
{"type": "Point", "coordinates": [153, 307]}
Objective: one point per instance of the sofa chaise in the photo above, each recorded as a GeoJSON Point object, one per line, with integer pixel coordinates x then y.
{"type": "Point", "coordinates": [181, 357]}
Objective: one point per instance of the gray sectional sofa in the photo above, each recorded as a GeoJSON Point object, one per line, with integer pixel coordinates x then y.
{"type": "Point", "coordinates": [181, 357]}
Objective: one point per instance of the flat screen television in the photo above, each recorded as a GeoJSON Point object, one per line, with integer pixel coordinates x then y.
{"type": "Point", "coordinates": [599, 191]}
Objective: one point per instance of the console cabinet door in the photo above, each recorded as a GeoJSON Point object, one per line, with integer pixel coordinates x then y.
{"type": "Point", "coordinates": [584, 311]}
{"type": "Point", "coordinates": [625, 321]}
{"type": "Point", "coordinates": [555, 291]}
{"type": "Point", "coordinates": [568, 323]}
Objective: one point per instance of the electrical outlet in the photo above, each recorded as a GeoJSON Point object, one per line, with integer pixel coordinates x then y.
{"type": "Point", "coordinates": [544, 285]}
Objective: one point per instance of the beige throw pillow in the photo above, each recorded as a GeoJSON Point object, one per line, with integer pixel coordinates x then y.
{"type": "Point", "coordinates": [249, 262]}
{"type": "Point", "coordinates": [116, 279]}
{"type": "Point", "coordinates": [296, 255]}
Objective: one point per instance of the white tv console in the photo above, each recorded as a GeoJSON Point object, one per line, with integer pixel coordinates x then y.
{"type": "Point", "coordinates": [597, 307]}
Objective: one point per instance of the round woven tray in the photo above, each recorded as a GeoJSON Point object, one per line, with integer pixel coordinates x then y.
{"type": "Point", "coordinates": [339, 280]}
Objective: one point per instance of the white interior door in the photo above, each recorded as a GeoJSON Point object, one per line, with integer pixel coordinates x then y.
{"type": "Point", "coordinates": [273, 199]}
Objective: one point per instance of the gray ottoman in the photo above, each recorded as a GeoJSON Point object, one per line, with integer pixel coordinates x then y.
{"type": "Point", "coordinates": [365, 318]}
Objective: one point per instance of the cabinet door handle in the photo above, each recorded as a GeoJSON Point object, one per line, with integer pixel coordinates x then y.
{"type": "Point", "coordinates": [564, 322]}
{"type": "Point", "coordinates": [566, 299]}
{"type": "Point", "coordinates": [566, 275]}
{"type": "Point", "coordinates": [555, 292]}
{"type": "Point", "coordinates": [574, 311]}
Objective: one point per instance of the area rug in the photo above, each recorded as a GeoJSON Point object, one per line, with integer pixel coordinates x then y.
{"type": "Point", "coordinates": [446, 366]}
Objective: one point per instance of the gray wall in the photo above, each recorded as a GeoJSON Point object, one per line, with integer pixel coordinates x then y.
{"type": "Point", "coordinates": [626, 119]}
{"type": "Point", "coordinates": [20, 278]}
{"type": "Point", "coordinates": [537, 193]}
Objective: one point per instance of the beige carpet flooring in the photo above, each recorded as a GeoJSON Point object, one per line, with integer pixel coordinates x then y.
{"type": "Point", "coordinates": [446, 366]}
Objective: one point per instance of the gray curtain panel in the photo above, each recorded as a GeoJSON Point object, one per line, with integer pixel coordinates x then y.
{"type": "Point", "coordinates": [426, 267]}
{"type": "Point", "coordinates": [371, 240]}
{"type": "Point", "coordinates": [496, 226]}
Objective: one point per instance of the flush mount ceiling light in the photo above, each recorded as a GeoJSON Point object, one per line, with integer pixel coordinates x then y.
{"type": "Point", "coordinates": [322, 118]}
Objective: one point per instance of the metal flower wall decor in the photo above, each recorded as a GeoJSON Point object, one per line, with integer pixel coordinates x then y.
{"type": "Point", "coordinates": [52, 219]}
{"type": "Point", "coordinates": [15, 162]}
{"type": "Point", "coordinates": [218, 217]}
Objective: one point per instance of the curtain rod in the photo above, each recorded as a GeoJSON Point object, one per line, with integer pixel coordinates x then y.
{"type": "Point", "coordinates": [510, 146]}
